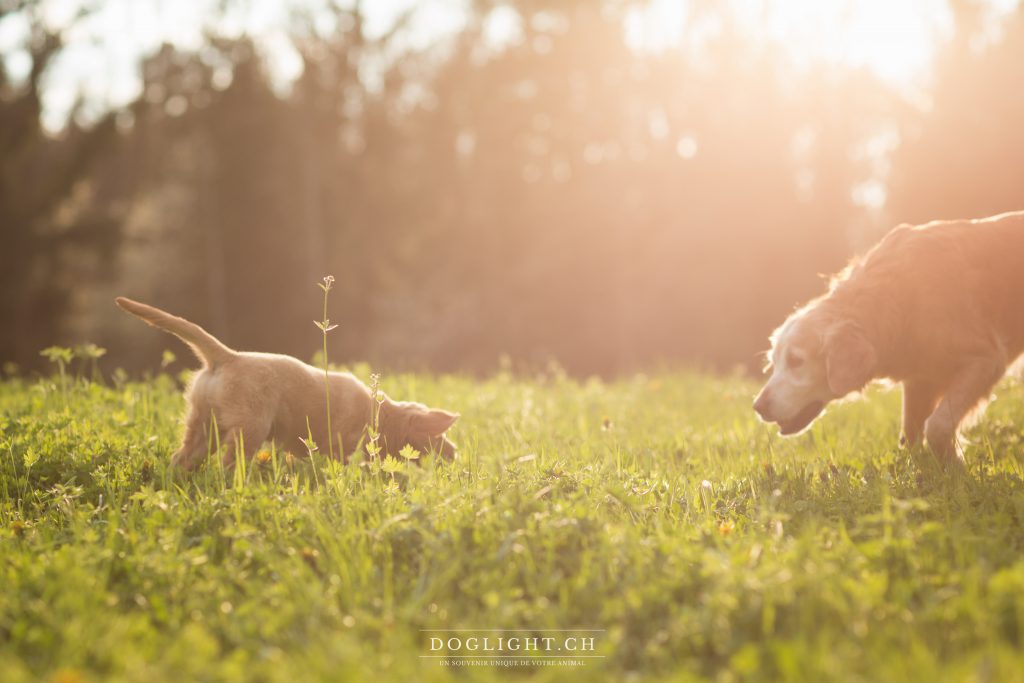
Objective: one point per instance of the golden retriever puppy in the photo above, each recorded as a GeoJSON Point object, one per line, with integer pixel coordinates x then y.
{"type": "Point", "coordinates": [938, 307]}
{"type": "Point", "coordinates": [256, 397]}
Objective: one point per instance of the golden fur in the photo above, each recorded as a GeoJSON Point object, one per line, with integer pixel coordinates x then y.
{"type": "Point", "coordinates": [256, 397]}
{"type": "Point", "coordinates": [938, 307]}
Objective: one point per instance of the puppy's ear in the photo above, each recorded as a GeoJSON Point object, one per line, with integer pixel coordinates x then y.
{"type": "Point", "coordinates": [850, 361]}
{"type": "Point", "coordinates": [432, 422]}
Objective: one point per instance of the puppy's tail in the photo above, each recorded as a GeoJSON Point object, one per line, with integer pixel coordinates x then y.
{"type": "Point", "coordinates": [207, 348]}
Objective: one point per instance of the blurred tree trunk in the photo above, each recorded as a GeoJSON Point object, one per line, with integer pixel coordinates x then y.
{"type": "Point", "coordinates": [39, 176]}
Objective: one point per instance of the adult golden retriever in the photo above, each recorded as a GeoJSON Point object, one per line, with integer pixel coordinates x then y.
{"type": "Point", "coordinates": [938, 307]}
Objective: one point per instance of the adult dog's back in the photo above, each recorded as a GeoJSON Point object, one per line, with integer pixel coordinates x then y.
{"type": "Point", "coordinates": [942, 291]}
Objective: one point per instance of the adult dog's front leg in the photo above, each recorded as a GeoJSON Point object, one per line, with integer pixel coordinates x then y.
{"type": "Point", "coordinates": [970, 386]}
{"type": "Point", "coordinates": [920, 397]}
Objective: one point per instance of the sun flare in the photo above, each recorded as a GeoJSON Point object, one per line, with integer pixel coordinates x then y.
{"type": "Point", "coordinates": [897, 41]}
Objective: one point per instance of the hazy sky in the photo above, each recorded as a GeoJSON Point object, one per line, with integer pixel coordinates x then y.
{"type": "Point", "coordinates": [895, 38]}
{"type": "Point", "coordinates": [103, 50]}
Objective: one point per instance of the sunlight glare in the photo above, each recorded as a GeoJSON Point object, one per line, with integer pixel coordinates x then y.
{"type": "Point", "coordinates": [895, 40]}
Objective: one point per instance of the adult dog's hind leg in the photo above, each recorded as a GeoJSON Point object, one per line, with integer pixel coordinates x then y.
{"type": "Point", "coordinates": [970, 386]}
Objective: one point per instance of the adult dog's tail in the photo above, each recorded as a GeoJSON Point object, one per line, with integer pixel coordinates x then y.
{"type": "Point", "coordinates": [206, 347]}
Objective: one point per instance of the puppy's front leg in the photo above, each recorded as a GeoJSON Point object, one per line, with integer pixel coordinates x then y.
{"type": "Point", "coordinates": [246, 438]}
{"type": "Point", "coordinates": [971, 385]}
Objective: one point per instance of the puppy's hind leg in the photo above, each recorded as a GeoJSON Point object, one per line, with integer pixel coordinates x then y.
{"type": "Point", "coordinates": [194, 447]}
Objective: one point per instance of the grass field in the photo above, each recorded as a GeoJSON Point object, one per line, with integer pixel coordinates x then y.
{"type": "Point", "coordinates": [655, 509]}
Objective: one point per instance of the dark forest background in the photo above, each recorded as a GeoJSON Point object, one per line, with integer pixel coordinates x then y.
{"type": "Point", "coordinates": [563, 196]}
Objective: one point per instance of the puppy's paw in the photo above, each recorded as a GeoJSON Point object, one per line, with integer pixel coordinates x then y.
{"type": "Point", "coordinates": [180, 461]}
{"type": "Point", "coordinates": [186, 461]}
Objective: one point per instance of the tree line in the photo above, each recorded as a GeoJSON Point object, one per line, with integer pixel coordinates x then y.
{"type": "Point", "coordinates": [563, 196]}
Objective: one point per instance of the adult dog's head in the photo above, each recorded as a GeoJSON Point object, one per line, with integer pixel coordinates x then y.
{"type": "Point", "coordinates": [817, 356]}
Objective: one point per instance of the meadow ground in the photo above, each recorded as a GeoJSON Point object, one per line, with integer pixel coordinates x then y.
{"type": "Point", "coordinates": [655, 508]}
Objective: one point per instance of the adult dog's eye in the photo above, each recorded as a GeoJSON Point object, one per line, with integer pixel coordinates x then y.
{"type": "Point", "coordinates": [793, 360]}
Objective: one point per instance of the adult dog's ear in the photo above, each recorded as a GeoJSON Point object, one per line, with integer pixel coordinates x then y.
{"type": "Point", "coordinates": [850, 361]}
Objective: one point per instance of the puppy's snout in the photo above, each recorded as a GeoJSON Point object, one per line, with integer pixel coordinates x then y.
{"type": "Point", "coordinates": [762, 405]}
